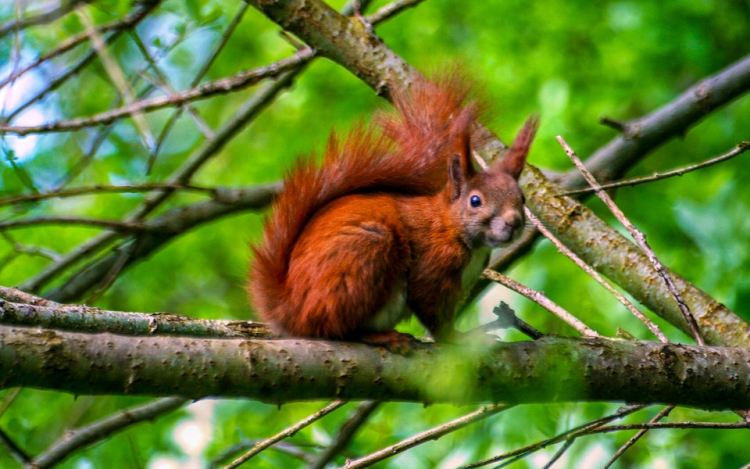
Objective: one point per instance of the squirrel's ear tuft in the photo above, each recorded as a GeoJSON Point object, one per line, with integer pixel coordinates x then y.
{"type": "Point", "coordinates": [515, 159]}
{"type": "Point", "coordinates": [456, 177]}
{"type": "Point", "coordinates": [461, 129]}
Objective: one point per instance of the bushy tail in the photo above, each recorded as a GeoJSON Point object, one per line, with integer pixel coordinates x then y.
{"type": "Point", "coordinates": [406, 153]}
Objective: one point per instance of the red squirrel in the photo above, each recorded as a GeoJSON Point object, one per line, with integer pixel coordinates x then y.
{"type": "Point", "coordinates": [389, 224]}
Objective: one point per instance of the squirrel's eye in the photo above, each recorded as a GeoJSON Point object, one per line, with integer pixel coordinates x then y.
{"type": "Point", "coordinates": [475, 201]}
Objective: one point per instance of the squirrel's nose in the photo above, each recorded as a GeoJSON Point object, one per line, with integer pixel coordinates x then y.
{"type": "Point", "coordinates": [514, 222]}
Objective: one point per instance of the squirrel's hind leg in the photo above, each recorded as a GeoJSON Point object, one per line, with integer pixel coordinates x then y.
{"type": "Point", "coordinates": [341, 280]}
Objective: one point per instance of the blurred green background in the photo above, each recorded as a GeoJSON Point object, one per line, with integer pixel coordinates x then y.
{"type": "Point", "coordinates": [571, 61]}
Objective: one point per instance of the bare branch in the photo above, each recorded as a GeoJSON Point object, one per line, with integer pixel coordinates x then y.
{"type": "Point", "coordinates": [42, 18]}
{"type": "Point", "coordinates": [595, 275]}
{"type": "Point", "coordinates": [109, 224]}
{"type": "Point", "coordinates": [429, 435]}
{"type": "Point", "coordinates": [205, 91]}
{"type": "Point", "coordinates": [104, 428]}
{"type": "Point", "coordinates": [542, 300]}
{"type": "Point", "coordinates": [639, 237]}
{"type": "Point", "coordinates": [737, 150]}
{"type": "Point", "coordinates": [681, 425]}
{"type": "Point", "coordinates": [345, 434]}
{"type": "Point", "coordinates": [77, 191]}
{"type": "Point", "coordinates": [14, 450]}
{"type": "Point", "coordinates": [117, 77]}
{"type": "Point", "coordinates": [663, 413]}
{"type": "Point", "coordinates": [391, 10]}
{"type": "Point", "coordinates": [569, 435]}
{"type": "Point", "coordinates": [506, 318]}
{"type": "Point", "coordinates": [162, 229]}
{"type": "Point", "coordinates": [14, 295]}
{"type": "Point", "coordinates": [68, 44]}
{"type": "Point", "coordinates": [19, 308]}
{"type": "Point", "coordinates": [565, 447]}
{"type": "Point", "coordinates": [140, 11]}
{"type": "Point", "coordinates": [260, 446]}
{"type": "Point", "coordinates": [674, 119]}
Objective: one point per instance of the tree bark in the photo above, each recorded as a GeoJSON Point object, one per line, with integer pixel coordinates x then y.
{"type": "Point", "coordinates": [279, 371]}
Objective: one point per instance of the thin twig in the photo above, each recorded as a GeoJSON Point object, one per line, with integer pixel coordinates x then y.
{"type": "Point", "coordinates": [568, 443]}
{"type": "Point", "coordinates": [541, 299]}
{"type": "Point", "coordinates": [299, 451]}
{"type": "Point", "coordinates": [595, 275]}
{"type": "Point", "coordinates": [140, 11]}
{"type": "Point", "coordinates": [16, 451]}
{"type": "Point", "coordinates": [67, 45]}
{"type": "Point", "coordinates": [115, 225]}
{"type": "Point", "coordinates": [640, 238]}
{"type": "Point", "coordinates": [220, 46]}
{"type": "Point", "coordinates": [262, 445]}
{"type": "Point", "coordinates": [345, 434]}
{"type": "Point", "coordinates": [30, 251]}
{"type": "Point", "coordinates": [89, 190]}
{"type": "Point", "coordinates": [613, 124]}
{"type": "Point", "coordinates": [681, 425]}
{"type": "Point", "coordinates": [103, 429]}
{"type": "Point", "coordinates": [162, 82]}
{"type": "Point", "coordinates": [390, 10]}
{"type": "Point", "coordinates": [42, 18]}
{"type": "Point", "coordinates": [8, 400]}
{"type": "Point", "coordinates": [104, 131]}
{"type": "Point", "coordinates": [117, 77]}
{"type": "Point", "coordinates": [169, 125]}
{"type": "Point", "coordinates": [506, 318]}
{"type": "Point", "coordinates": [570, 434]}
{"type": "Point", "coordinates": [109, 278]}
{"type": "Point", "coordinates": [222, 86]}
{"type": "Point", "coordinates": [429, 435]}
{"type": "Point", "coordinates": [83, 162]}
{"type": "Point", "coordinates": [737, 150]}
{"type": "Point", "coordinates": [663, 413]}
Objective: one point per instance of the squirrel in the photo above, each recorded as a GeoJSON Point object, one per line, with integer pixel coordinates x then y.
{"type": "Point", "coordinates": [391, 223]}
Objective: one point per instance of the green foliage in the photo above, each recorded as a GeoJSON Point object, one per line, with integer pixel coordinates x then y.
{"type": "Point", "coordinates": [571, 61]}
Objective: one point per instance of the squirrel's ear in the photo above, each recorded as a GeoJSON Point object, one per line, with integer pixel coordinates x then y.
{"type": "Point", "coordinates": [456, 177]}
{"type": "Point", "coordinates": [462, 141]}
{"type": "Point", "coordinates": [514, 160]}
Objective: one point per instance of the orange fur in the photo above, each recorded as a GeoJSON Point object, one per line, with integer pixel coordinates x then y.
{"type": "Point", "coordinates": [386, 225]}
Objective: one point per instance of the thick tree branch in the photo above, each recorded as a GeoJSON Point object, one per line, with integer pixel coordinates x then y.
{"type": "Point", "coordinates": [546, 370]}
